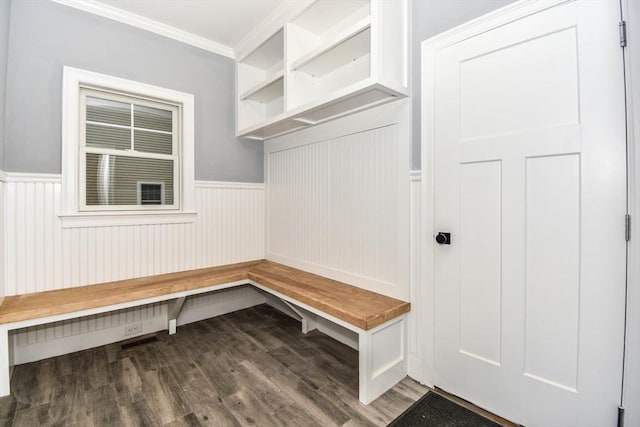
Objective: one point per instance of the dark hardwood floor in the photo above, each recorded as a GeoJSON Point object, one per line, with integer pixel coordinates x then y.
{"type": "Point", "coordinates": [251, 367]}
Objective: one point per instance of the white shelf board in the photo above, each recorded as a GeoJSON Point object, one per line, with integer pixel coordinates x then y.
{"type": "Point", "coordinates": [268, 53]}
{"type": "Point", "coordinates": [267, 90]}
{"type": "Point", "coordinates": [272, 128]}
{"type": "Point", "coordinates": [337, 50]}
{"type": "Point", "coordinates": [325, 14]}
{"type": "Point", "coordinates": [352, 99]}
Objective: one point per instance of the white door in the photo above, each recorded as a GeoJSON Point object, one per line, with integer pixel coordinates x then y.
{"type": "Point", "coordinates": [526, 122]}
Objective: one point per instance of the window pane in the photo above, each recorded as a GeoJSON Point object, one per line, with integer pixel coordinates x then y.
{"type": "Point", "coordinates": [152, 118]}
{"type": "Point", "coordinates": [113, 180]}
{"type": "Point", "coordinates": [106, 111]}
{"type": "Point", "coordinates": [108, 137]}
{"type": "Point", "coordinates": [153, 142]}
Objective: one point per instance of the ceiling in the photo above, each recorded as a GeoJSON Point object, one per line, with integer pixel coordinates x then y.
{"type": "Point", "coordinates": [224, 22]}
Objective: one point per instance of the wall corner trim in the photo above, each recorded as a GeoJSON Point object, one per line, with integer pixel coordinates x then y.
{"type": "Point", "coordinates": [150, 25]}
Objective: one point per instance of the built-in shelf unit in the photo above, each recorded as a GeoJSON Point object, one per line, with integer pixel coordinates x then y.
{"type": "Point", "coordinates": [260, 83]}
{"type": "Point", "coordinates": [333, 59]}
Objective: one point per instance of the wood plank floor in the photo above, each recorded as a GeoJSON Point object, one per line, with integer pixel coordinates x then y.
{"type": "Point", "coordinates": [251, 367]}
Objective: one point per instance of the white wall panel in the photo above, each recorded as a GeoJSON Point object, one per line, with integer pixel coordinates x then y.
{"type": "Point", "coordinates": [417, 329]}
{"type": "Point", "coordinates": [42, 255]}
{"type": "Point", "coordinates": [338, 200]}
{"type": "Point", "coordinates": [362, 203]}
{"type": "Point", "coordinates": [298, 192]}
{"type": "Point", "coordinates": [2, 237]}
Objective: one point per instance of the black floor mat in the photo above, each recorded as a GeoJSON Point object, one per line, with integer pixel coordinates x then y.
{"type": "Point", "coordinates": [433, 410]}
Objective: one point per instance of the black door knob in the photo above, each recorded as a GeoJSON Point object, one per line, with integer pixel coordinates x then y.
{"type": "Point", "coordinates": [443, 238]}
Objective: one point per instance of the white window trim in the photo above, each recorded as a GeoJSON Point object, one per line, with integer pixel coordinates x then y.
{"type": "Point", "coordinates": [141, 183]}
{"type": "Point", "coordinates": [71, 215]}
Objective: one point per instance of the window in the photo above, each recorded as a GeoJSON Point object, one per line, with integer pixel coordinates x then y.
{"type": "Point", "coordinates": [127, 151]}
{"type": "Point", "coordinates": [125, 140]}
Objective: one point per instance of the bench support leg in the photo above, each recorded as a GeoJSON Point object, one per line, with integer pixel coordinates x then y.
{"type": "Point", "coordinates": [173, 311]}
{"type": "Point", "coordinates": [383, 358]}
{"type": "Point", "coordinates": [308, 320]}
{"type": "Point", "coordinates": [5, 375]}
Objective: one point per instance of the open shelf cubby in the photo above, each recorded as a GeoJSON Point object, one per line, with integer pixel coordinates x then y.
{"type": "Point", "coordinates": [333, 58]}
{"type": "Point", "coordinates": [260, 82]}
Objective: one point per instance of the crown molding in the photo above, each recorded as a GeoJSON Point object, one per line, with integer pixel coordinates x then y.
{"type": "Point", "coordinates": [150, 25]}
{"type": "Point", "coordinates": [285, 12]}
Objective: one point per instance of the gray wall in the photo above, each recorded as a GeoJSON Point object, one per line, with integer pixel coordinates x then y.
{"type": "Point", "coordinates": [5, 11]}
{"type": "Point", "coordinates": [45, 36]}
{"type": "Point", "coordinates": [428, 18]}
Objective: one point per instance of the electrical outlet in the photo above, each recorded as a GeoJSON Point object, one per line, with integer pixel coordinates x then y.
{"type": "Point", "coordinates": [133, 329]}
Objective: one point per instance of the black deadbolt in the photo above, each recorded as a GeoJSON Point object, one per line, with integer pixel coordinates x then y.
{"type": "Point", "coordinates": [443, 238]}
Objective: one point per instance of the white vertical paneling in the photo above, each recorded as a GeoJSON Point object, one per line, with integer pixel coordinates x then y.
{"type": "Point", "coordinates": [42, 255]}
{"type": "Point", "coordinates": [553, 268]}
{"type": "Point", "coordinates": [417, 330]}
{"type": "Point", "coordinates": [298, 191]}
{"type": "Point", "coordinates": [338, 206]}
{"type": "Point", "coordinates": [362, 203]}
{"type": "Point", "coordinates": [3, 274]}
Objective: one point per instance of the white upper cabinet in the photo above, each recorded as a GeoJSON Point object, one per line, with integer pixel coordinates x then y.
{"type": "Point", "coordinates": [335, 58]}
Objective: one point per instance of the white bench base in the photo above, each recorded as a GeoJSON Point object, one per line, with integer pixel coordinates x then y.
{"type": "Point", "coordinates": [382, 350]}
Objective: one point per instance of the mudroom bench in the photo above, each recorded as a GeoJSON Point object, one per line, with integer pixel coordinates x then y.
{"type": "Point", "coordinates": [379, 321]}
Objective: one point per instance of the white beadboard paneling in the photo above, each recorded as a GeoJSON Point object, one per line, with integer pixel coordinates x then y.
{"type": "Point", "coordinates": [42, 255]}
{"type": "Point", "coordinates": [2, 236]}
{"type": "Point", "coordinates": [416, 330]}
{"type": "Point", "coordinates": [362, 205]}
{"type": "Point", "coordinates": [298, 191]}
{"type": "Point", "coordinates": [338, 200]}
{"type": "Point", "coordinates": [54, 339]}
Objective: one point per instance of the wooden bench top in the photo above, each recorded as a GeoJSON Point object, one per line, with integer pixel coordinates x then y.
{"type": "Point", "coordinates": [362, 308]}
{"type": "Point", "coordinates": [59, 301]}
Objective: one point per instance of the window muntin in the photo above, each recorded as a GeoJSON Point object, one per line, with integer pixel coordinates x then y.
{"type": "Point", "coordinates": [123, 140]}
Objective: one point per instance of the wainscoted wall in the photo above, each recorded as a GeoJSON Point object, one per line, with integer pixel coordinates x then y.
{"type": "Point", "coordinates": [41, 255]}
{"type": "Point", "coordinates": [415, 328]}
{"type": "Point", "coordinates": [2, 236]}
{"type": "Point", "coordinates": [338, 200]}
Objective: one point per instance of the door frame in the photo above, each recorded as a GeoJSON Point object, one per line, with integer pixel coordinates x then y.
{"type": "Point", "coordinates": [631, 379]}
{"type": "Point", "coordinates": [426, 289]}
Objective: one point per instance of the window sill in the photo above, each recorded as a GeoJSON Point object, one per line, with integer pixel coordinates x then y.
{"type": "Point", "coordinates": [111, 219]}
